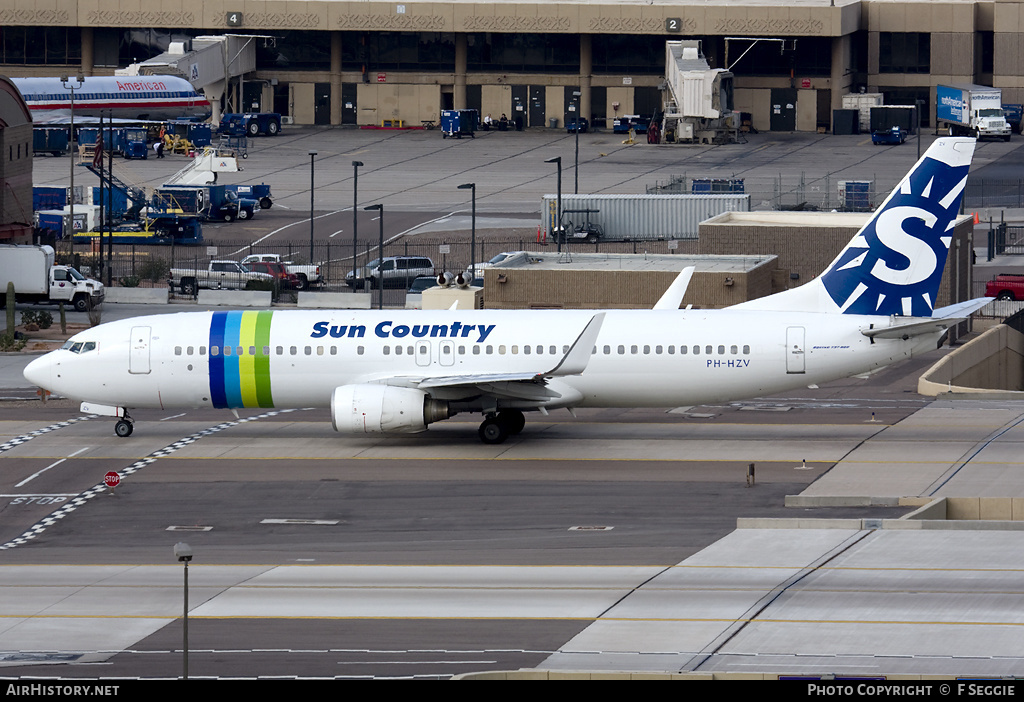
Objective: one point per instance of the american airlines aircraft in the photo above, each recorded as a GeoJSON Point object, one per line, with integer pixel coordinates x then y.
{"type": "Point", "coordinates": [399, 371]}
{"type": "Point", "coordinates": [126, 97]}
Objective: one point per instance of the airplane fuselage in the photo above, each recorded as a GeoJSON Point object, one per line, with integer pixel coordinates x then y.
{"type": "Point", "coordinates": [297, 358]}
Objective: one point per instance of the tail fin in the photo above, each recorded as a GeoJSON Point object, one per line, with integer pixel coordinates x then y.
{"type": "Point", "coordinates": [893, 266]}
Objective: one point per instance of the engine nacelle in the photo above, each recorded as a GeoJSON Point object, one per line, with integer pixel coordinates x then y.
{"type": "Point", "coordinates": [372, 409]}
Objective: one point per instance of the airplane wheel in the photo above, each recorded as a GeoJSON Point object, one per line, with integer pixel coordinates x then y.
{"type": "Point", "coordinates": [492, 431]}
{"type": "Point", "coordinates": [123, 428]}
{"type": "Point", "coordinates": [513, 420]}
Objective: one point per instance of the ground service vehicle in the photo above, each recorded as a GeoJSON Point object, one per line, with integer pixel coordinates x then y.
{"type": "Point", "coordinates": [888, 136]}
{"type": "Point", "coordinates": [971, 110]}
{"type": "Point", "coordinates": [250, 124]}
{"type": "Point", "coordinates": [1006, 286]}
{"type": "Point", "coordinates": [1014, 114]}
{"type": "Point", "coordinates": [211, 202]}
{"type": "Point", "coordinates": [218, 275]}
{"type": "Point", "coordinates": [307, 275]}
{"type": "Point", "coordinates": [37, 279]}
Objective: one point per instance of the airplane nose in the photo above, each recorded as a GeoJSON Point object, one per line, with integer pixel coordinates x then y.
{"type": "Point", "coordinates": [40, 372]}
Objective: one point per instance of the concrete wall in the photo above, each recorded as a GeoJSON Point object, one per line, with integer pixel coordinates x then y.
{"type": "Point", "coordinates": [992, 363]}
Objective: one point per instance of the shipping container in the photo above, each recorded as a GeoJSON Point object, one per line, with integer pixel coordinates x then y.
{"type": "Point", "coordinates": [863, 102]}
{"type": "Point", "coordinates": [49, 197]}
{"type": "Point", "coordinates": [641, 217]}
{"type": "Point", "coordinates": [50, 140]}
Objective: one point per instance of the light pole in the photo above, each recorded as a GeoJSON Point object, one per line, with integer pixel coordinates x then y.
{"type": "Point", "coordinates": [312, 172]}
{"type": "Point", "coordinates": [472, 240]}
{"type": "Point", "coordinates": [576, 163]}
{"type": "Point", "coordinates": [355, 219]}
{"type": "Point", "coordinates": [380, 256]}
{"type": "Point", "coordinates": [80, 79]}
{"type": "Point", "coordinates": [558, 208]}
{"type": "Point", "coordinates": [183, 552]}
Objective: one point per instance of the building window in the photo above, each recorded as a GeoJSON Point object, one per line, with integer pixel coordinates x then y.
{"type": "Point", "coordinates": [904, 52]}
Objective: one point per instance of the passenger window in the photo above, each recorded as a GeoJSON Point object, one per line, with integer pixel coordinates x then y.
{"type": "Point", "coordinates": [708, 349]}
{"type": "Point", "coordinates": [240, 351]}
{"type": "Point", "coordinates": [721, 350]}
{"type": "Point", "coordinates": [190, 350]}
{"type": "Point", "coordinates": [293, 350]}
{"type": "Point", "coordinates": [554, 350]}
{"type": "Point", "coordinates": [501, 349]}
{"type": "Point", "coordinates": [215, 350]}
{"type": "Point", "coordinates": [202, 350]}
{"type": "Point", "coordinates": [319, 350]}
{"type": "Point", "coordinates": [647, 349]}
{"type": "Point", "coordinates": [308, 350]}
{"type": "Point", "coordinates": [227, 350]}
{"type": "Point", "coordinates": [657, 349]}
{"type": "Point", "coordinates": [733, 350]}
{"type": "Point", "coordinates": [398, 350]}
{"type": "Point", "coordinates": [252, 350]}
{"type": "Point", "coordinates": [633, 349]}
{"type": "Point", "coordinates": [622, 350]}
{"type": "Point", "coordinates": [360, 350]}
{"type": "Point", "coordinates": [696, 350]}
{"type": "Point", "coordinates": [266, 351]}
{"type": "Point", "coordinates": [387, 350]}
{"type": "Point", "coordinates": [177, 350]}
{"type": "Point", "coordinates": [515, 350]}
{"type": "Point", "coordinates": [607, 350]}
{"type": "Point", "coordinates": [526, 350]}
{"type": "Point", "coordinates": [746, 350]}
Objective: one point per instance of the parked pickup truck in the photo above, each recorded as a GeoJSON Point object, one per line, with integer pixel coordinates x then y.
{"type": "Point", "coordinates": [219, 275]}
{"type": "Point", "coordinates": [308, 275]}
{"type": "Point", "coordinates": [1006, 286]}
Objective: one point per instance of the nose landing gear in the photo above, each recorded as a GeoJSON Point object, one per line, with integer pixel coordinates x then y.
{"type": "Point", "coordinates": [124, 426]}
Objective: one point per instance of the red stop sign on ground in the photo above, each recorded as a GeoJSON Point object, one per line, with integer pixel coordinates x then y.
{"type": "Point", "coordinates": [111, 479]}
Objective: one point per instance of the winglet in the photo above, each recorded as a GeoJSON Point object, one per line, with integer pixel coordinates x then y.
{"type": "Point", "coordinates": [673, 297]}
{"type": "Point", "coordinates": [576, 359]}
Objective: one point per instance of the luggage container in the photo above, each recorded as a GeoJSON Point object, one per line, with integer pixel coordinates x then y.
{"type": "Point", "coordinates": [455, 123]}
{"type": "Point", "coordinates": [50, 140]}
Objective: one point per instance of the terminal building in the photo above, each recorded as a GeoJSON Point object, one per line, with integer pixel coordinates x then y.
{"type": "Point", "coordinates": [333, 62]}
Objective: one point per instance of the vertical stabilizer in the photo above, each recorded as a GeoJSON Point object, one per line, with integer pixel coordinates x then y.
{"type": "Point", "coordinates": [893, 266]}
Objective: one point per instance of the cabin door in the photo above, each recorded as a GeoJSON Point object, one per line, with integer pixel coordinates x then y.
{"type": "Point", "coordinates": [794, 349]}
{"type": "Point", "coordinates": [138, 355]}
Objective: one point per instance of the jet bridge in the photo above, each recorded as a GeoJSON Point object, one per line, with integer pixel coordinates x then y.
{"type": "Point", "coordinates": [701, 108]}
{"type": "Point", "coordinates": [208, 63]}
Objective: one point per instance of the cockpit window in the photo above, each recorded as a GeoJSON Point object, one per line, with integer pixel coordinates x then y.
{"type": "Point", "coordinates": [79, 346]}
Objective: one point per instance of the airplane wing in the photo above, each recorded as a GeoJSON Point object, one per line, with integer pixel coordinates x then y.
{"type": "Point", "coordinates": [520, 386]}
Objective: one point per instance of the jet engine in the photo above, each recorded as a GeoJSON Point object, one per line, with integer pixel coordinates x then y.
{"type": "Point", "coordinates": [372, 409]}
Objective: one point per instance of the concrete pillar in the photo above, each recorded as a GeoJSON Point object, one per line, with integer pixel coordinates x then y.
{"type": "Point", "coordinates": [461, 52]}
{"type": "Point", "coordinates": [586, 69]}
{"type": "Point", "coordinates": [335, 78]}
{"type": "Point", "coordinates": [88, 61]}
{"type": "Point", "coordinates": [842, 71]}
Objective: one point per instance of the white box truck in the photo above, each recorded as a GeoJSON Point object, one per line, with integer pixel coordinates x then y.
{"type": "Point", "coordinates": [971, 110]}
{"type": "Point", "coordinates": [37, 279]}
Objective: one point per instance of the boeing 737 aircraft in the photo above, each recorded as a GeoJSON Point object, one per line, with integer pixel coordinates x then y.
{"type": "Point", "coordinates": [398, 371]}
{"type": "Point", "coordinates": [127, 97]}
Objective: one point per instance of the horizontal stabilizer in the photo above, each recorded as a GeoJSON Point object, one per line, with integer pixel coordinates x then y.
{"type": "Point", "coordinates": [914, 327]}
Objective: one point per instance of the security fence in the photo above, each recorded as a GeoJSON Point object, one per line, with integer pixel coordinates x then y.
{"type": "Point", "coordinates": [827, 193]}
{"type": "Point", "coordinates": [150, 265]}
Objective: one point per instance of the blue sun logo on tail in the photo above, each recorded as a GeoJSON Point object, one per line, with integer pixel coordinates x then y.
{"type": "Point", "coordinates": [895, 263]}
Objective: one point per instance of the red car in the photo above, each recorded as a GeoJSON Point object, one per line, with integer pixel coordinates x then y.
{"type": "Point", "coordinates": [288, 281]}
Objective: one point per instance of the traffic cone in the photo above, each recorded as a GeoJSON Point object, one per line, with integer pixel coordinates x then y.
{"type": "Point", "coordinates": [976, 221]}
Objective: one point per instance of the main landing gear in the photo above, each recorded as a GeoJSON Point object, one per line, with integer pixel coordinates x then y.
{"type": "Point", "coordinates": [498, 427]}
{"type": "Point", "coordinates": [124, 426]}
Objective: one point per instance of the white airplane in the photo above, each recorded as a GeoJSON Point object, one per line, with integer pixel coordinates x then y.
{"type": "Point", "coordinates": [126, 97]}
{"type": "Point", "coordinates": [399, 371]}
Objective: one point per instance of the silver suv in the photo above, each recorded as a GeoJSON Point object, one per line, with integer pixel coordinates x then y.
{"type": "Point", "coordinates": [393, 271]}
